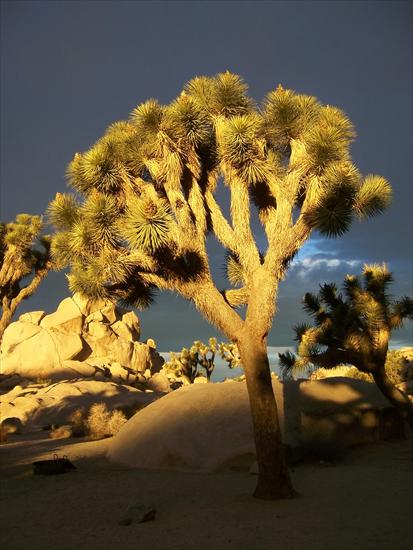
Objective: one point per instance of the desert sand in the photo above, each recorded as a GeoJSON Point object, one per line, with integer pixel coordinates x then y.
{"type": "Point", "coordinates": [363, 500]}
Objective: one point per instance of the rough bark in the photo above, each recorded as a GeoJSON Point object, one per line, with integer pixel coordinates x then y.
{"type": "Point", "coordinates": [396, 397]}
{"type": "Point", "coordinates": [6, 316]}
{"type": "Point", "coordinates": [273, 476]}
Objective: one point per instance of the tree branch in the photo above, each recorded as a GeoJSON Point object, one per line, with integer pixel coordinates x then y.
{"type": "Point", "coordinates": [220, 226]}
{"type": "Point", "coordinates": [240, 213]}
{"type": "Point", "coordinates": [210, 302]}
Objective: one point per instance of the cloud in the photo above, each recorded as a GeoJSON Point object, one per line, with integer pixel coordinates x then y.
{"type": "Point", "coordinates": [306, 267]}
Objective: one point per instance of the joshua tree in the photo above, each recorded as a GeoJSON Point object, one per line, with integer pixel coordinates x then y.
{"type": "Point", "coordinates": [205, 355]}
{"type": "Point", "coordinates": [149, 200]}
{"type": "Point", "coordinates": [354, 329]}
{"type": "Point", "coordinates": [187, 362]}
{"type": "Point", "coordinates": [229, 353]}
{"type": "Point", "coordinates": [19, 258]}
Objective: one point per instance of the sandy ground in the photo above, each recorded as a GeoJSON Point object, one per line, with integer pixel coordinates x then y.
{"type": "Point", "coordinates": [362, 502]}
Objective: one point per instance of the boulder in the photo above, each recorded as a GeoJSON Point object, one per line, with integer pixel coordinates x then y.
{"type": "Point", "coordinates": [67, 318]}
{"type": "Point", "coordinates": [128, 328]}
{"type": "Point", "coordinates": [111, 350]}
{"type": "Point", "coordinates": [95, 316]}
{"type": "Point", "coordinates": [208, 427]}
{"type": "Point", "coordinates": [78, 369]}
{"type": "Point", "coordinates": [32, 317]}
{"type": "Point", "coordinates": [146, 358]}
{"type": "Point", "coordinates": [11, 425]}
{"type": "Point", "coordinates": [40, 355]}
{"type": "Point", "coordinates": [111, 312]}
{"type": "Point", "coordinates": [86, 306]}
{"type": "Point", "coordinates": [121, 374]}
{"type": "Point", "coordinates": [16, 333]}
{"type": "Point", "coordinates": [100, 330]}
{"type": "Point", "coordinates": [159, 382]}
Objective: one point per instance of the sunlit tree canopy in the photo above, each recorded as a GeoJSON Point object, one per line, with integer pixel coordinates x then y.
{"type": "Point", "coordinates": [145, 193]}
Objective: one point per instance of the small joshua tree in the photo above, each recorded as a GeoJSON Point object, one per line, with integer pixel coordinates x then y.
{"type": "Point", "coordinates": [23, 253]}
{"type": "Point", "coordinates": [186, 363]}
{"type": "Point", "coordinates": [205, 355]}
{"type": "Point", "coordinates": [354, 328]}
{"type": "Point", "coordinates": [229, 353]}
{"type": "Point", "coordinates": [149, 199]}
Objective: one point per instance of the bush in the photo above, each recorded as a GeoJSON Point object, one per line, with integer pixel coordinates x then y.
{"type": "Point", "coordinates": [102, 423]}
{"type": "Point", "coordinates": [77, 421]}
{"type": "Point", "coordinates": [397, 369]}
{"type": "Point", "coordinates": [397, 362]}
{"type": "Point", "coordinates": [341, 370]}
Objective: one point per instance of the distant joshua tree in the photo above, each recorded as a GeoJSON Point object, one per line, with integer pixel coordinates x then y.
{"type": "Point", "coordinates": [354, 329]}
{"type": "Point", "coordinates": [186, 363]}
{"type": "Point", "coordinates": [23, 254]}
{"type": "Point", "coordinates": [149, 200]}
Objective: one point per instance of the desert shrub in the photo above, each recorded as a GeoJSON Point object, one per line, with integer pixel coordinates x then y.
{"type": "Point", "coordinates": [397, 369]}
{"type": "Point", "coordinates": [77, 421]}
{"type": "Point", "coordinates": [61, 432]}
{"type": "Point", "coordinates": [397, 365]}
{"type": "Point", "coordinates": [340, 370]}
{"type": "Point", "coordinates": [103, 423]}
{"type": "Point", "coordinates": [116, 421]}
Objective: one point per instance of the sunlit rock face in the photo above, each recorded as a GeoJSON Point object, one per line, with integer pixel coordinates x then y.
{"type": "Point", "coordinates": [208, 427]}
{"type": "Point", "coordinates": [80, 339]}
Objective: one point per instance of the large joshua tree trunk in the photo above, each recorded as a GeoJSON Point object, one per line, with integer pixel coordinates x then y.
{"type": "Point", "coordinates": [397, 398]}
{"type": "Point", "coordinates": [273, 477]}
{"type": "Point", "coordinates": [250, 336]}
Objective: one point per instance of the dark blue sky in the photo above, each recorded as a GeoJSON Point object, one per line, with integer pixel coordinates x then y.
{"type": "Point", "coordinates": [69, 69]}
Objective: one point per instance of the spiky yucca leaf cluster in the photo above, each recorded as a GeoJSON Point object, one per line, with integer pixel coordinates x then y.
{"type": "Point", "coordinates": [225, 95]}
{"type": "Point", "coordinates": [235, 273]}
{"type": "Point", "coordinates": [86, 229]}
{"type": "Point", "coordinates": [242, 148]}
{"type": "Point", "coordinates": [146, 189]}
{"type": "Point", "coordinates": [352, 327]}
{"type": "Point", "coordinates": [63, 211]}
{"type": "Point", "coordinates": [147, 224]}
{"type": "Point", "coordinates": [188, 121]}
{"type": "Point", "coordinates": [287, 116]}
{"type": "Point", "coordinates": [19, 241]}
{"type": "Point", "coordinates": [22, 232]}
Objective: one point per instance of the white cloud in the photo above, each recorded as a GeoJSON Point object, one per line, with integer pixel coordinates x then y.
{"type": "Point", "coordinates": [307, 265]}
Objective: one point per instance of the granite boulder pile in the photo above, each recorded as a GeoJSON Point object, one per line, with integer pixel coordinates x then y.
{"type": "Point", "coordinates": [81, 339]}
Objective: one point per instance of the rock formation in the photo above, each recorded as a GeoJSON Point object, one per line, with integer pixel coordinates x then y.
{"type": "Point", "coordinates": [81, 339]}
{"type": "Point", "coordinates": [208, 427]}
